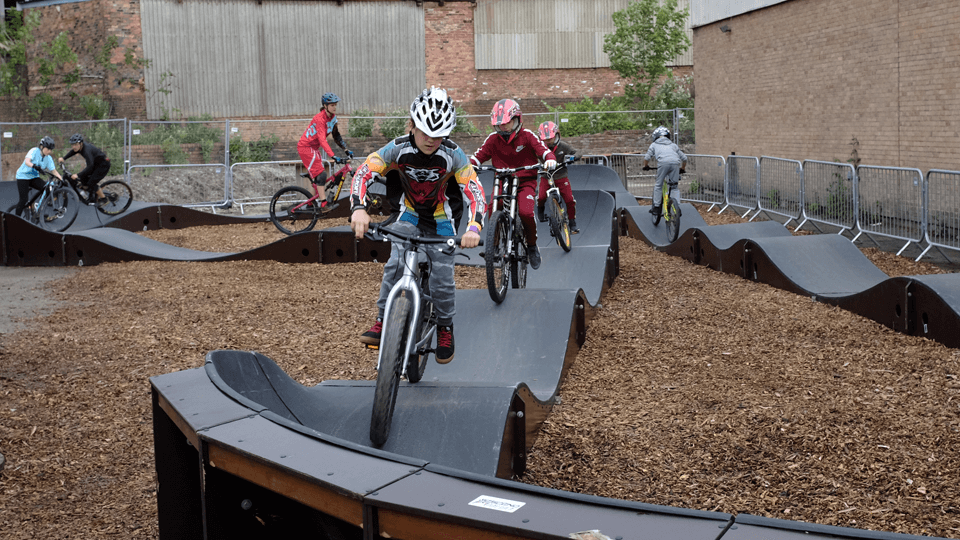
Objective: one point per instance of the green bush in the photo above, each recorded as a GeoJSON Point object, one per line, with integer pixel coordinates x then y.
{"type": "Point", "coordinates": [584, 116]}
{"type": "Point", "coordinates": [173, 152]}
{"type": "Point", "coordinates": [95, 107]}
{"type": "Point", "coordinates": [361, 124]}
{"type": "Point", "coordinates": [464, 125]}
{"type": "Point", "coordinates": [395, 125]}
{"type": "Point", "coordinates": [252, 151]}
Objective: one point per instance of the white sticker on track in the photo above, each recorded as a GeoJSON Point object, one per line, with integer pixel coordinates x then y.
{"type": "Point", "coordinates": [494, 503]}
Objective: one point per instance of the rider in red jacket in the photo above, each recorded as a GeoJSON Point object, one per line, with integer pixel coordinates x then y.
{"type": "Point", "coordinates": [314, 138]}
{"type": "Point", "coordinates": [512, 146]}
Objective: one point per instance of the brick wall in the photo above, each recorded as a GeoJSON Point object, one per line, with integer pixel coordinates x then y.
{"type": "Point", "coordinates": [802, 79]}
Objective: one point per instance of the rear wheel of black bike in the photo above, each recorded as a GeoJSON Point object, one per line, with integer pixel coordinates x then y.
{"type": "Point", "coordinates": [118, 197]}
{"type": "Point", "coordinates": [59, 210]}
{"type": "Point", "coordinates": [518, 263]}
{"type": "Point", "coordinates": [658, 215]}
{"type": "Point", "coordinates": [291, 213]}
{"type": "Point", "coordinates": [559, 224]}
{"type": "Point", "coordinates": [388, 374]}
{"type": "Point", "coordinates": [496, 256]}
{"type": "Point", "coordinates": [673, 219]}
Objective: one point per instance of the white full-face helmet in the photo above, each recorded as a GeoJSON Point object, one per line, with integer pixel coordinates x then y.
{"type": "Point", "coordinates": [433, 112]}
{"type": "Point", "coordinates": [661, 132]}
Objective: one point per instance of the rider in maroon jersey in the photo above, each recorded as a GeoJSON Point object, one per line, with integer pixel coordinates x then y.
{"type": "Point", "coordinates": [550, 135]}
{"type": "Point", "coordinates": [512, 146]}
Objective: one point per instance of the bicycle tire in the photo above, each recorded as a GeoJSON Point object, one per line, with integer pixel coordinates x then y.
{"type": "Point", "coordinates": [496, 256]}
{"type": "Point", "coordinates": [657, 216]}
{"type": "Point", "coordinates": [559, 224]}
{"type": "Point", "coordinates": [119, 197]}
{"type": "Point", "coordinates": [59, 211]}
{"type": "Point", "coordinates": [673, 219]}
{"type": "Point", "coordinates": [518, 263]}
{"type": "Point", "coordinates": [388, 374]}
{"type": "Point", "coordinates": [301, 220]}
{"type": "Point", "coordinates": [417, 363]}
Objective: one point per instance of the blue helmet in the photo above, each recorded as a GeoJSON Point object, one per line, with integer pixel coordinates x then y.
{"type": "Point", "coordinates": [329, 97]}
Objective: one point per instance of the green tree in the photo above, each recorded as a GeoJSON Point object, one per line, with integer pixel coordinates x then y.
{"type": "Point", "coordinates": [649, 33]}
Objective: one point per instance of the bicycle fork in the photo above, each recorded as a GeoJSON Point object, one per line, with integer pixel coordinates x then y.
{"type": "Point", "coordinates": [408, 282]}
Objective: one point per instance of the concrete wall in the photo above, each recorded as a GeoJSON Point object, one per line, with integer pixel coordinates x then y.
{"type": "Point", "coordinates": [803, 79]}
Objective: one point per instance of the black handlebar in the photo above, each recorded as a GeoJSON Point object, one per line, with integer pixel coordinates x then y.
{"type": "Point", "coordinates": [416, 238]}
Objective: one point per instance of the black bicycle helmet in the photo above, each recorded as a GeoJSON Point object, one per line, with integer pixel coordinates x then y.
{"type": "Point", "coordinates": [76, 138]}
{"type": "Point", "coordinates": [47, 142]}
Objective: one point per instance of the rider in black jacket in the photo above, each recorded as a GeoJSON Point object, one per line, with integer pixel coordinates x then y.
{"type": "Point", "coordinates": [98, 165]}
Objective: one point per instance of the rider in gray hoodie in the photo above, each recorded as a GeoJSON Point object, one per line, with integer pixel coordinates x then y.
{"type": "Point", "coordinates": [671, 162]}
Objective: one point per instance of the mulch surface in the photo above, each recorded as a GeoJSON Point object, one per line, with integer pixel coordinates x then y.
{"type": "Point", "coordinates": [694, 388]}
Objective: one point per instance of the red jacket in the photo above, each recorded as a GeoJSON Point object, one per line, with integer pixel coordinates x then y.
{"type": "Point", "coordinates": [525, 149]}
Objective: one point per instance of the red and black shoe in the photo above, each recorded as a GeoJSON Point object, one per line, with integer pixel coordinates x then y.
{"type": "Point", "coordinates": [444, 352]}
{"type": "Point", "coordinates": [372, 336]}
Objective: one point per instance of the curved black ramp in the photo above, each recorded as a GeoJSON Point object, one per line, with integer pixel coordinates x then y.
{"type": "Point", "coordinates": [638, 224]}
{"type": "Point", "coordinates": [484, 387]}
{"type": "Point", "coordinates": [811, 265]}
{"type": "Point", "coordinates": [720, 247]}
{"type": "Point", "coordinates": [935, 313]}
{"type": "Point", "coordinates": [891, 303]}
{"type": "Point", "coordinates": [25, 244]}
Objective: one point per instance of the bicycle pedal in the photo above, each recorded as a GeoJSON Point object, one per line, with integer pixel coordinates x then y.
{"type": "Point", "coordinates": [371, 347]}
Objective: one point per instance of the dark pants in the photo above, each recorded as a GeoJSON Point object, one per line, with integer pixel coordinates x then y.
{"type": "Point", "coordinates": [23, 188]}
{"type": "Point", "coordinates": [90, 181]}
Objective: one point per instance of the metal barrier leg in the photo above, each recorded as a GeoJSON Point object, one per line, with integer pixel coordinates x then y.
{"type": "Point", "coordinates": [905, 246]}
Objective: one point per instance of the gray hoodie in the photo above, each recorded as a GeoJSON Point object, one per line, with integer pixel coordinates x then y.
{"type": "Point", "coordinates": [664, 151]}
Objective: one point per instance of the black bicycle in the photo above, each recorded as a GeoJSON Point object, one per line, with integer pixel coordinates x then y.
{"type": "Point", "coordinates": [506, 246]}
{"type": "Point", "coordinates": [554, 209]}
{"type": "Point", "coordinates": [54, 207]}
{"type": "Point", "coordinates": [117, 195]}
{"type": "Point", "coordinates": [409, 326]}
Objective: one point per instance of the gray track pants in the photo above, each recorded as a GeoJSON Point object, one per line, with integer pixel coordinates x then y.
{"type": "Point", "coordinates": [669, 172]}
{"type": "Point", "coordinates": [442, 285]}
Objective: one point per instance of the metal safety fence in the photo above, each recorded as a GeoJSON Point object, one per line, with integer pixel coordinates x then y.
{"type": "Point", "coordinates": [941, 202]}
{"type": "Point", "coordinates": [703, 180]}
{"type": "Point", "coordinates": [779, 190]}
{"type": "Point", "coordinates": [890, 203]}
{"type": "Point", "coordinates": [630, 169]}
{"type": "Point", "coordinates": [829, 190]}
{"type": "Point", "coordinates": [743, 178]}
{"type": "Point", "coordinates": [17, 138]}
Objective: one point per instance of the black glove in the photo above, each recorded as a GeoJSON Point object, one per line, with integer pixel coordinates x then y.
{"type": "Point", "coordinates": [37, 167]}
{"type": "Point", "coordinates": [647, 168]}
{"type": "Point", "coordinates": [349, 154]}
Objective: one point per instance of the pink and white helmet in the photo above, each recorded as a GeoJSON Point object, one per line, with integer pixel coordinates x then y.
{"type": "Point", "coordinates": [503, 112]}
{"type": "Point", "coordinates": [548, 130]}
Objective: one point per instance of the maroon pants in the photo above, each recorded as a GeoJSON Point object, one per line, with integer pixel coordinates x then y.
{"type": "Point", "coordinates": [526, 202]}
{"type": "Point", "coordinates": [563, 184]}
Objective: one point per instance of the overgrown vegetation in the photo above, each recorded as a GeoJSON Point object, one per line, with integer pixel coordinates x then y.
{"type": "Point", "coordinates": [361, 124]}
{"type": "Point", "coordinates": [587, 116]}
{"type": "Point", "coordinates": [248, 151]}
{"type": "Point", "coordinates": [395, 124]}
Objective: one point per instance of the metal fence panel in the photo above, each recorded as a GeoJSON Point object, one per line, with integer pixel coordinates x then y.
{"type": "Point", "coordinates": [180, 163]}
{"type": "Point", "coordinates": [743, 180]}
{"type": "Point", "coordinates": [780, 187]}
{"type": "Point", "coordinates": [942, 204]}
{"type": "Point", "coordinates": [829, 195]}
{"type": "Point", "coordinates": [17, 138]}
{"type": "Point", "coordinates": [704, 180]}
{"type": "Point", "coordinates": [890, 203]}
{"type": "Point", "coordinates": [254, 183]}
{"type": "Point", "coordinates": [630, 169]}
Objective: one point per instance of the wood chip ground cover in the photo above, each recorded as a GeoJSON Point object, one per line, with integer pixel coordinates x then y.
{"type": "Point", "coordinates": [694, 388]}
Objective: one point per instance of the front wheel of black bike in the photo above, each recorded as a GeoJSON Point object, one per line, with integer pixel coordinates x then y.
{"type": "Point", "coordinates": [673, 219]}
{"type": "Point", "coordinates": [290, 211]}
{"type": "Point", "coordinates": [496, 256]}
{"type": "Point", "coordinates": [392, 345]}
{"type": "Point", "coordinates": [518, 262]}
{"type": "Point", "coordinates": [559, 224]}
{"type": "Point", "coordinates": [118, 197]}
{"type": "Point", "coordinates": [59, 210]}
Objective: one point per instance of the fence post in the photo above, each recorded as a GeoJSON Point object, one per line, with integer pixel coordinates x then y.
{"type": "Point", "coordinates": [228, 189]}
